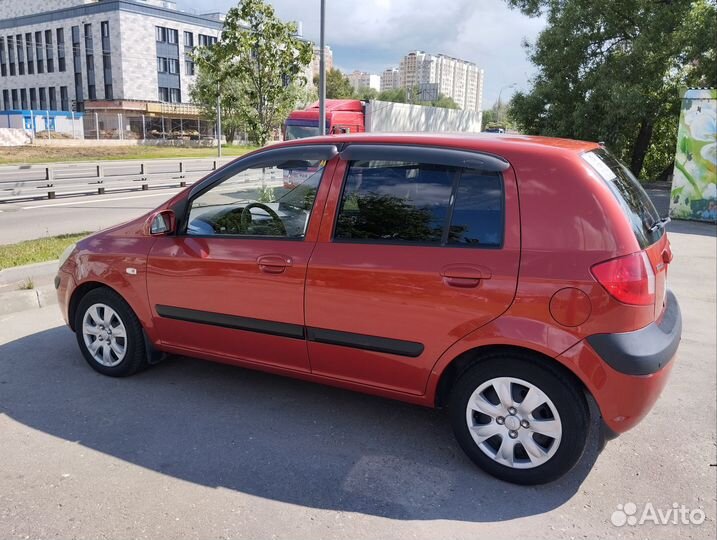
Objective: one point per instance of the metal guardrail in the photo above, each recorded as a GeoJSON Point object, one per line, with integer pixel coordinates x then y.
{"type": "Point", "coordinates": [30, 182]}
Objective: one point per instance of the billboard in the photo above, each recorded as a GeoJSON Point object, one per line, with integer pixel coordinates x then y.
{"type": "Point", "coordinates": [694, 182]}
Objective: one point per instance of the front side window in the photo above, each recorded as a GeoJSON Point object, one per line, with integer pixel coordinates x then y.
{"type": "Point", "coordinates": [270, 201]}
{"type": "Point", "coordinates": [420, 203]}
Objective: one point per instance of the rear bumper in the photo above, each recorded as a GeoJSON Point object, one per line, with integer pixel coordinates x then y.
{"type": "Point", "coordinates": [644, 351]}
{"type": "Point", "coordinates": [626, 373]}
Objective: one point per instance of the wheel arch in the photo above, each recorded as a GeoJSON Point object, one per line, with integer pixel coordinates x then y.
{"type": "Point", "coordinates": [78, 294]}
{"type": "Point", "coordinates": [457, 367]}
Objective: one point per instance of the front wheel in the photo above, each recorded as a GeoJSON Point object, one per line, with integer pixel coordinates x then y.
{"type": "Point", "coordinates": [109, 334]}
{"type": "Point", "coordinates": [519, 419]}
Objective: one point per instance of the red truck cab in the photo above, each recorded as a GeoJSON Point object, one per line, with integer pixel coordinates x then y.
{"type": "Point", "coordinates": [342, 116]}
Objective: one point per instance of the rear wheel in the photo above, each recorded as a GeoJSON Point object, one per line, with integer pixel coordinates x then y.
{"type": "Point", "coordinates": [109, 333]}
{"type": "Point", "coordinates": [519, 419]}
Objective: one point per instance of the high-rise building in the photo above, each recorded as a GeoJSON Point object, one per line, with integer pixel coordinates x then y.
{"type": "Point", "coordinates": [316, 61]}
{"type": "Point", "coordinates": [431, 75]}
{"type": "Point", "coordinates": [360, 80]}
{"type": "Point", "coordinates": [390, 79]}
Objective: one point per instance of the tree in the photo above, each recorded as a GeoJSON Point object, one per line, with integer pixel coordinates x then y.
{"type": "Point", "coordinates": [444, 102]}
{"type": "Point", "coordinates": [265, 58]}
{"type": "Point", "coordinates": [338, 85]}
{"type": "Point", "coordinates": [498, 116]}
{"type": "Point", "coordinates": [366, 93]}
{"type": "Point", "coordinates": [396, 95]}
{"type": "Point", "coordinates": [204, 93]}
{"type": "Point", "coordinates": [611, 71]}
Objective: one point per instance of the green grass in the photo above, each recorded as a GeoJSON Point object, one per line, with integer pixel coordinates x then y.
{"type": "Point", "coordinates": [35, 251]}
{"type": "Point", "coordinates": [51, 154]}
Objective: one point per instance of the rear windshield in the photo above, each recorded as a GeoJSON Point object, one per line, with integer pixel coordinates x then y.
{"type": "Point", "coordinates": [633, 199]}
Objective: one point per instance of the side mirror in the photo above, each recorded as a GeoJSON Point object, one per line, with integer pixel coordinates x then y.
{"type": "Point", "coordinates": [161, 223]}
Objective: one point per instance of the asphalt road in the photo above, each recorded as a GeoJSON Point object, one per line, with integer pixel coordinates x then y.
{"type": "Point", "coordinates": [34, 219]}
{"type": "Point", "coordinates": [26, 220]}
{"type": "Point", "coordinates": [194, 449]}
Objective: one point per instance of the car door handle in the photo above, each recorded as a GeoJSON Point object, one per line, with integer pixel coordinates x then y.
{"type": "Point", "coordinates": [464, 275]}
{"type": "Point", "coordinates": [273, 264]}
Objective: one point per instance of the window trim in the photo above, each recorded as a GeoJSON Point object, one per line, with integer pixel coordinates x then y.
{"type": "Point", "coordinates": [326, 152]}
{"type": "Point", "coordinates": [392, 152]}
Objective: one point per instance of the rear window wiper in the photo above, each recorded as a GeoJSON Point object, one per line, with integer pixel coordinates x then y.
{"type": "Point", "coordinates": [660, 224]}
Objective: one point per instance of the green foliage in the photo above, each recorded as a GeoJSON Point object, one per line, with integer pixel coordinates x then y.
{"type": "Point", "coordinates": [611, 71]}
{"type": "Point", "coordinates": [497, 117]}
{"type": "Point", "coordinates": [338, 85]}
{"type": "Point", "coordinates": [395, 95]}
{"type": "Point", "coordinates": [34, 251]}
{"type": "Point", "coordinates": [444, 102]}
{"type": "Point", "coordinates": [204, 93]}
{"type": "Point", "coordinates": [266, 194]}
{"type": "Point", "coordinates": [367, 94]}
{"type": "Point", "coordinates": [264, 58]}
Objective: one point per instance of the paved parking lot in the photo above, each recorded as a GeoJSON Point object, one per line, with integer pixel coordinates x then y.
{"type": "Point", "coordinates": [193, 449]}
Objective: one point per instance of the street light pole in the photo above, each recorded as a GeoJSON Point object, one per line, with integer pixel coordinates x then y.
{"type": "Point", "coordinates": [322, 73]}
{"type": "Point", "coordinates": [500, 108]}
{"type": "Point", "coordinates": [219, 120]}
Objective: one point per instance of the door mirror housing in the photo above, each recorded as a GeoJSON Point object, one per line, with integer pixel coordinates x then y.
{"type": "Point", "coordinates": [161, 223]}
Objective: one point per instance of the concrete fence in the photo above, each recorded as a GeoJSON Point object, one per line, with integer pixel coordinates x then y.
{"type": "Point", "coordinates": [28, 182]}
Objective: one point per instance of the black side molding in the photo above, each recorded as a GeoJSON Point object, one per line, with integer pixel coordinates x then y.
{"type": "Point", "coordinates": [398, 347]}
{"type": "Point", "coordinates": [643, 351]}
{"type": "Point", "coordinates": [367, 343]}
{"type": "Point", "coordinates": [232, 321]}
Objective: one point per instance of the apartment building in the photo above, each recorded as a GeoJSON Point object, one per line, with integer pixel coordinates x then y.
{"type": "Point", "coordinates": [112, 56]}
{"type": "Point", "coordinates": [361, 80]}
{"type": "Point", "coordinates": [390, 79]}
{"type": "Point", "coordinates": [316, 62]}
{"type": "Point", "coordinates": [438, 74]}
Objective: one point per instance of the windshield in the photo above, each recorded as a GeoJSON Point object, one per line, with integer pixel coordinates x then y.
{"type": "Point", "coordinates": [633, 199]}
{"type": "Point", "coordinates": [300, 132]}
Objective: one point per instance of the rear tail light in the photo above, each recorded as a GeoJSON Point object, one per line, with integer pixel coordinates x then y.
{"type": "Point", "coordinates": [630, 279]}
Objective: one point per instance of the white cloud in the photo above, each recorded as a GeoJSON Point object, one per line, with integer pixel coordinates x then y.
{"type": "Point", "coordinates": [374, 34]}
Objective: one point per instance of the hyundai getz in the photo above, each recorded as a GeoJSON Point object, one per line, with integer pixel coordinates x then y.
{"type": "Point", "coordinates": [509, 279]}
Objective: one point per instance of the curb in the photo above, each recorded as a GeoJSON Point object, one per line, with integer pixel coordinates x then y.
{"type": "Point", "coordinates": [14, 301]}
{"type": "Point", "coordinates": [19, 273]}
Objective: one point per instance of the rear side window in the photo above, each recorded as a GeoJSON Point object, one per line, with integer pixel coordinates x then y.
{"type": "Point", "coordinates": [477, 217]}
{"type": "Point", "coordinates": [634, 201]}
{"type": "Point", "coordinates": [420, 203]}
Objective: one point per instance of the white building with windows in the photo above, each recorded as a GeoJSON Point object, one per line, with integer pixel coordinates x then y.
{"type": "Point", "coordinates": [437, 74]}
{"type": "Point", "coordinates": [361, 80]}
{"type": "Point", "coordinates": [390, 79]}
{"type": "Point", "coordinates": [111, 56]}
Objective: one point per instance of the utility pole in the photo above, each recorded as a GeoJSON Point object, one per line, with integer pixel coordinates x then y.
{"type": "Point", "coordinates": [500, 103]}
{"type": "Point", "coordinates": [219, 120]}
{"type": "Point", "coordinates": [322, 72]}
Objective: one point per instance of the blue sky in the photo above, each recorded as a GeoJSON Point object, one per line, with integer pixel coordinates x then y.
{"type": "Point", "coordinates": [371, 35]}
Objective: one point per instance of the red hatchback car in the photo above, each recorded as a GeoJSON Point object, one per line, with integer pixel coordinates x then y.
{"type": "Point", "coordinates": [508, 278]}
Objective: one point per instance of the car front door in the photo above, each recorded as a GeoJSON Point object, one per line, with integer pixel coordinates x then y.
{"type": "Point", "coordinates": [418, 247]}
{"type": "Point", "coordinates": [230, 284]}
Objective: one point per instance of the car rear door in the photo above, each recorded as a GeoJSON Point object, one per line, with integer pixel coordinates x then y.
{"type": "Point", "coordinates": [418, 247]}
{"type": "Point", "coordinates": [230, 285]}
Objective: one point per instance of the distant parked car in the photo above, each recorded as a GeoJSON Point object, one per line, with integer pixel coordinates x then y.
{"type": "Point", "coordinates": [506, 278]}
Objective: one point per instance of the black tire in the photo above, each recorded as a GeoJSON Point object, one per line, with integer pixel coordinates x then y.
{"type": "Point", "coordinates": [135, 354]}
{"type": "Point", "coordinates": [565, 394]}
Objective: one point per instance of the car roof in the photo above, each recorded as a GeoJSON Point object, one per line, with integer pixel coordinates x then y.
{"type": "Point", "coordinates": [487, 142]}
